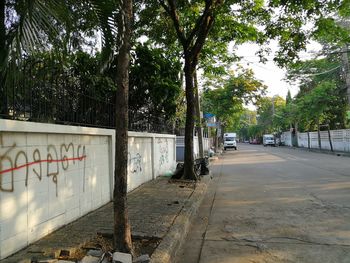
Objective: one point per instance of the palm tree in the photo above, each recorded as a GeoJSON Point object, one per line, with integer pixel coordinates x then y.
{"type": "Point", "coordinates": [27, 25]}
{"type": "Point", "coordinates": [25, 28]}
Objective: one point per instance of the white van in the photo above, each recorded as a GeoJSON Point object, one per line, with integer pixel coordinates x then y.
{"type": "Point", "coordinates": [230, 140]}
{"type": "Point", "coordinates": [269, 139]}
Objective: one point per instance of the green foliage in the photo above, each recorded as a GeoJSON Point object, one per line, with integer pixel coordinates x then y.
{"type": "Point", "coordinates": [331, 31]}
{"type": "Point", "coordinates": [270, 114]}
{"type": "Point", "coordinates": [155, 86]}
{"type": "Point", "coordinates": [246, 123]}
{"type": "Point", "coordinates": [27, 26]}
{"type": "Point", "coordinates": [58, 88]}
{"type": "Point", "coordinates": [227, 102]}
{"type": "Point", "coordinates": [318, 78]}
{"type": "Point", "coordinates": [320, 105]}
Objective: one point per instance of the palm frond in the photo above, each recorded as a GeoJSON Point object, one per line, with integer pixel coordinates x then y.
{"type": "Point", "coordinates": [106, 12]}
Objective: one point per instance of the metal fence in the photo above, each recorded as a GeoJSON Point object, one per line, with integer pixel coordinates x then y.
{"type": "Point", "coordinates": [49, 104]}
{"type": "Point", "coordinates": [65, 99]}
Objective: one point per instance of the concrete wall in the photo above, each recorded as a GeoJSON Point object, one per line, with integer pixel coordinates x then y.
{"type": "Point", "coordinates": [150, 155]}
{"type": "Point", "coordinates": [51, 175]}
{"type": "Point", "coordinates": [340, 140]}
{"type": "Point", "coordinates": [286, 138]}
{"type": "Point", "coordinates": [180, 147]}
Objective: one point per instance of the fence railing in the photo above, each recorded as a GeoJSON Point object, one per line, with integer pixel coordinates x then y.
{"type": "Point", "coordinates": [63, 104]}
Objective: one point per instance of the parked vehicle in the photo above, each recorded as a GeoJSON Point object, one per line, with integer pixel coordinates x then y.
{"type": "Point", "coordinates": [230, 140]}
{"type": "Point", "coordinates": [254, 141]}
{"type": "Point", "coordinates": [269, 139]}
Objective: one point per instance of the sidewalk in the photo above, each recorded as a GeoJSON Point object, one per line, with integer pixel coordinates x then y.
{"type": "Point", "coordinates": [158, 210]}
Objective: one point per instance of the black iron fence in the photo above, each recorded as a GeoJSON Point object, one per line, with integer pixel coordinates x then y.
{"type": "Point", "coordinates": [60, 97]}
{"type": "Point", "coordinates": [63, 105]}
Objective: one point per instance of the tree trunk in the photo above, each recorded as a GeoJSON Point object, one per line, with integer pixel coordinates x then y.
{"type": "Point", "coordinates": [198, 117]}
{"type": "Point", "coordinates": [3, 58]}
{"type": "Point", "coordinates": [192, 43]}
{"type": "Point", "coordinates": [189, 158]}
{"type": "Point", "coordinates": [308, 140]}
{"type": "Point", "coordinates": [122, 231]}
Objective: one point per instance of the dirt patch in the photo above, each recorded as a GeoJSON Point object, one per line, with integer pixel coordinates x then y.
{"type": "Point", "coordinates": [145, 245]}
{"type": "Point", "coordinates": [141, 245]}
{"type": "Point", "coordinates": [184, 183]}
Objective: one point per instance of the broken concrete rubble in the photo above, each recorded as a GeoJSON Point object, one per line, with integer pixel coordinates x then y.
{"type": "Point", "coordinates": [90, 259]}
{"type": "Point", "coordinates": [119, 257]}
{"type": "Point", "coordinates": [95, 252]}
{"type": "Point", "coordinates": [142, 259]}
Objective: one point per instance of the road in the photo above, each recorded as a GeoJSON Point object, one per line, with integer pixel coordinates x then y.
{"type": "Point", "coordinates": [272, 205]}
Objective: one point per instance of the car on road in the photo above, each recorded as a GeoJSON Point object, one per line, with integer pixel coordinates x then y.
{"type": "Point", "coordinates": [269, 139]}
{"type": "Point", "coordinates": [230, 140]}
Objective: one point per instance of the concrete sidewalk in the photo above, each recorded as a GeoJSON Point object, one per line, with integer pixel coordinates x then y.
{"type": "Point", "coordinates": [158, 209]}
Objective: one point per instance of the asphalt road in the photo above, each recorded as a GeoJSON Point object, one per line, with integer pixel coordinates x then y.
{"type": "Point", "coordinates": [271, 205]}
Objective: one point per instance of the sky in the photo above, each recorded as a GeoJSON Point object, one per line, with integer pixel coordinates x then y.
{"type": "Point", "coordinates": [270, 73]}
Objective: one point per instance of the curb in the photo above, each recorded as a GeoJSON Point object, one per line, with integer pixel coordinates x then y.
{"type": "Point", "coordinates": [344, 154]}
{"type": "Point", "coordinates": [166, 251]}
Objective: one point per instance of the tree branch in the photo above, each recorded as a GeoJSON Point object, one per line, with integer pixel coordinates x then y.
{"type": "Point", "coordinates": [201, 36]}
{"type": "Point", "coordinates": [171, 10]}
{"type": "Point", "coordinates": [199, 22]}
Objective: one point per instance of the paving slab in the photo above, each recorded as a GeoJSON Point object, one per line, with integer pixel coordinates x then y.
{"type": "Point", "coordinates": [154, 208]}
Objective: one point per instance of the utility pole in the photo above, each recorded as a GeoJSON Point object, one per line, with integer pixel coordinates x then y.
{"type": "Point", "coordinates": [273, 116]}
{"type": "Point", "coordinates": [199, 119]}
{"type": "Point", "coordinates": [345, 62]}
{"type": "Point", "coordinates": [273, 105]}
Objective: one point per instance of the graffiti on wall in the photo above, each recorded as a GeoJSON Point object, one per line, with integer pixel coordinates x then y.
{"type": "Point", "coordinates": [55, 158]}
{"type": "Point", "coordinates": [135, 163]}
{"type": "Point", "coordinates": [163, 151]}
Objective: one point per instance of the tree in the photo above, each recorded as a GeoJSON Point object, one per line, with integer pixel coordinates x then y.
{"type": "Point", "coordinates": [122, 231]}
{"type": "Point", "coordinates": [25, 27]}
{"type": "Point", "coordinates": [155, 87]}
{"type": "Point", "coordinates": [227, 102]}
{"type": "Point", "coordinates": [315, 105]}
{"type": "Point", "coordinates": [194, 29]}
{"type": "Point", "coordinates": [313, 74]}
{"type": "Point", "coordinates": [29, 26]}
{"type": "Point", "coordinates": [192, 40]}
{"type": "Point", "coordinates": [247, 120]}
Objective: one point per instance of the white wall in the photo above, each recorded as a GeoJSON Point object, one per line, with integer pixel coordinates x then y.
{"type": "Point", "coordinates": [286, 138]}
{"type": "Point", "coordinates": [51, 175]}
{"type": "Point", "coordinates": [180, 145]}
{"type": "Point", "coordinates": [143, 149]}
{"type": "Point", "coordinates": [340, 140]}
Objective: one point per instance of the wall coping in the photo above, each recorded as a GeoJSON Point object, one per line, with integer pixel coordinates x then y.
{"type": "Point", "coordinates": [37, 127]}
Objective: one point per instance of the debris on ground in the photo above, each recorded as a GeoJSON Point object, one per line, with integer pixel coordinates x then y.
{"type": "Point", "coordinates": [119, 257]}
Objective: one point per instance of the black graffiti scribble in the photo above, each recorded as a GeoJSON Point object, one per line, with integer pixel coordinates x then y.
{"type": "Point", "coordinates": [164, 151]}
{"type": "Point", "coordinates": [135, 163]}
